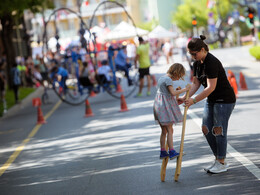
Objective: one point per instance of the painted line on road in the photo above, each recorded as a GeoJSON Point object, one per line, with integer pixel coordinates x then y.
{"type": "Point", "coordinates": [10, 131]}
{"type": "Point", "coordinates": [20, 148]}
{"type": "Point", "coordinates": [251, 167]}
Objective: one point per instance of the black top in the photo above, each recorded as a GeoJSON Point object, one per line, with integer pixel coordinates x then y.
{"type": "Point", "coordinates": [212, 68]}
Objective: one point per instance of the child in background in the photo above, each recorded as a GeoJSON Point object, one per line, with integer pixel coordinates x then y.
{"type": "Point", "coordinates": [38, 81]}
{"type": "Point", "coordinates": [166, 108]}
{"type": "Point", "coordinates": [105, 70]}
{"type": "Point", "coordinates": [87, 74]}
{"type": "Point", "coordinates": [60, 74]}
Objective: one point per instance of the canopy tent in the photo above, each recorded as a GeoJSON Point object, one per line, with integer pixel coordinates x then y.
{"type": "Point", "coordinates": [124, 31]}
{"type": "Point", "coordinates": [64, 42]}
{"type": "Point", "coordinates": [161, 33]}
{"type": "Point", "coordinates": [100, 33]}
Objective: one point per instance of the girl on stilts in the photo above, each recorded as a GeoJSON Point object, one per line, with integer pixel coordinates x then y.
{"type": "Point", "coordinates": [166, 108]}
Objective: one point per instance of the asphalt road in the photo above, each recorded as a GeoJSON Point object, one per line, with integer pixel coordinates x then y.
{"type": "Point", "coordinates": [118, 152]}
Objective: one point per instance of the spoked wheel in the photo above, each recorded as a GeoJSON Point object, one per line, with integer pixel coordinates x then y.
{"type": "Point", "coordinates": [73, 93]}
{"type": "Point", "coordinates": [122, 84]}
{"type": "Point", "coordinates": [45, 98]}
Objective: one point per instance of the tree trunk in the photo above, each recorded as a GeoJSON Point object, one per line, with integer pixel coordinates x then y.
{"type": "Point", "coordinates": [7, 37]}
{"type": "Point", "coordinates": [26, 38]}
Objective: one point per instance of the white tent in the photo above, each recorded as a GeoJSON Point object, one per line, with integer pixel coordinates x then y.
{"type": "Point", "coordinates": [160, 33]}
{"type": "Point", "coordinates": [100, 33]}
{"type": "Point", "coordinates": [124, 31]}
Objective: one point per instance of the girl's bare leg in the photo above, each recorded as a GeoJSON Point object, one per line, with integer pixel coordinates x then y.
{"type": "Point", "coordinates": [170, 137]}
{"type": "Point", "coordinates": [163, 136]}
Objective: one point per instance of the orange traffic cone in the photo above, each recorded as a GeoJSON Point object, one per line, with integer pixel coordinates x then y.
{"type": "Point", "coordinates": [242, 82]}
{"type": "Point", "coordinates": [230, 74]}
{"type": "Point", "coordinates": [154, 80]}
{"type": "Point", "coordinates": [119, 89]}
{"type": "Point", "coordinates": [88, 111]}
{"type": "Point", "coordinates": [40, 118]}
{"type": "Point", "coordinates": [234, 84]}
{"type": "Point", "coordinates": [123, 104]}
{"type": "Point", "coordinates": [92, 94]}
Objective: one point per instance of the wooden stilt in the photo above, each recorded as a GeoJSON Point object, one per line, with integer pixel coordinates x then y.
{"type": "Point", "coordinates": [179, 159]}
{"type": "Point", "coordinates": [164, 165]}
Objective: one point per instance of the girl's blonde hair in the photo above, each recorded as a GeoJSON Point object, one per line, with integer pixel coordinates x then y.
{"type": "Point", "coordinates": [177, 70]}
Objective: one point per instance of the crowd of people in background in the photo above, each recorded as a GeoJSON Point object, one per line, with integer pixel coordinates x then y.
{"type": "Point", "coordinates": [33, 71]}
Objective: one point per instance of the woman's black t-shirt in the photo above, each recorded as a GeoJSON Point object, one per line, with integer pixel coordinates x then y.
{"type": "Point", "coordinates": [212, 68]}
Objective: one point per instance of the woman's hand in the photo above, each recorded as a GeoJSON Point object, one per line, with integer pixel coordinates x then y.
{"type": "Point", "coordinates": [188, 102]}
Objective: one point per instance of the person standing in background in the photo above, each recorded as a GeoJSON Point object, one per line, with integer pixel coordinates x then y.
{"type": "Point", "coordinates": [16, 81]}
{"type": "Point", "coordinates": [167, 50]}
{"type": "Point", "coordinates": [182, 42]}
{"type": "Point", "coordinates": [142, 56]}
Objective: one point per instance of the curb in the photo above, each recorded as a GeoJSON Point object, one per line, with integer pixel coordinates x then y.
{"type": "Point", "coordinates": [25, 102]}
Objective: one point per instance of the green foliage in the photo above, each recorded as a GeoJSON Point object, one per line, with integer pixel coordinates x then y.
{"type": "Point", "coordinates": [255, 51]}
{"type": "Point", "coordinates": [10, 101]}
{"type": "Point", "coordinates": [8, 6]}
{"type": "Point", "coordinates": [213, 46]}
{"type": "Point", "coordinates": [224, 8]}
{"type": "Point", "coordinates": [198, 8]}
{"type": "Point", "coordinates": [185, 12]}
{"type": "Point", "coordinates": [244, 29]}
{"type": "Point", "coordinates": [148, 25]}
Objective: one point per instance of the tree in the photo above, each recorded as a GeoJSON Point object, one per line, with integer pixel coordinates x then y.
{"type": "Point", "coordinates": [148, 25]}
{"type": "Point", "coordinates": [186, 12]}
{"type": "Point", "coordinates": [198, 8]}
{"type": "Point", "coordinates": [11, 11]}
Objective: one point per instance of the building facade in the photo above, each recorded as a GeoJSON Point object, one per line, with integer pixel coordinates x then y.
{"type": "Point", "coordinates": [68, 23]}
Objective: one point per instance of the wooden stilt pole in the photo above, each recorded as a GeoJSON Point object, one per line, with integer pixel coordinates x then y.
{"type": "Point", "coordinates": [179, 159]}
{"type": "Point", "coordinates": [164, 164]}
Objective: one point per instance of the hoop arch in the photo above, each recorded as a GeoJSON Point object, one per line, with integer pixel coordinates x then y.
{"type": "Point", "coordinates": [119, 5]}
{"type": "Point", "coordinates": [84, 25]}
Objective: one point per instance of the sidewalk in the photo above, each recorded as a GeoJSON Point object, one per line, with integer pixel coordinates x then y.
{"type": "Point", "coordinates": [23, 104]}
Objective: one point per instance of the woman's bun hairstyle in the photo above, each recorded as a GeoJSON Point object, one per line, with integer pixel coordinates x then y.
{"type": "Point", "coordinates": [196, 44]}
{"type": "Point", "coordinates": [202, 37]}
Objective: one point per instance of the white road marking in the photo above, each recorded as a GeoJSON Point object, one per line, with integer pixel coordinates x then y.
{"type": "Point", "coordinates": [251, 167]}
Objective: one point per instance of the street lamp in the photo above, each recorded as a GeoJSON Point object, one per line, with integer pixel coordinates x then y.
{"type": "Point", "coordinates": [194, 25]}
{"type": "Point", "coordinates": [251, 13]}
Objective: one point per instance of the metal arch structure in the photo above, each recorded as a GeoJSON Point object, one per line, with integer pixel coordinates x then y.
{"type": "Point", "coordinates": [119, 5]}
{"type": "Point", "coordinates": [73, 96]}
{"type": "Point", "coordinates": [44, 37]}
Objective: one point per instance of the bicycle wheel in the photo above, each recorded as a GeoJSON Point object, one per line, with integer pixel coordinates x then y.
{"type": "Point", "coordinates": [45, 98]}
{"type": "Point", "coordinates": [122, 84]}
{"type": "Point", "coordinates": [73, 93]}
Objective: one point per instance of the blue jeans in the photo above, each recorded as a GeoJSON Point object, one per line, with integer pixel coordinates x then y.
{"type": "Point", "coordinates": [214, 126]}
{"type": "Point", "coordinates": [126, 70]}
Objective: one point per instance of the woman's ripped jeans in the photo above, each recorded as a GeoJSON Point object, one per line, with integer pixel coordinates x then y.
{"type": "Point", "coordinates": [214, 126]}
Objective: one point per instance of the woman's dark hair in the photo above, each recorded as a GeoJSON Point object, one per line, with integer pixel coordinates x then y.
{"type": "Point", "coordinates": [196, 44]}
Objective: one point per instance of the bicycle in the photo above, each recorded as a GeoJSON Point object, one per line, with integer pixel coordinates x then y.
{"type": "Point", "coordinates": [74, 91]}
